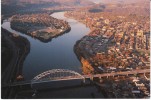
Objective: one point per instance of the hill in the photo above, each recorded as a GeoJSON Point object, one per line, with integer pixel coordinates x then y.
{"type": "Point", "coordinates": [61, 2]}
{"type": "Point", "coordinates": [13, 6]}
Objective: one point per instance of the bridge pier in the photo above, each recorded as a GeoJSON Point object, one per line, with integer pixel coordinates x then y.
{"type": "Point", "coordinates": [100, 79]}
{"type": "Point", "coordinates": [84, 80]}
{"type": "Point", "coordinates": [92, 78]}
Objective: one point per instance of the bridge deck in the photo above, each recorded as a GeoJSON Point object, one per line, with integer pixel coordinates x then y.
{"type": "Point", "coordinates": [139, 71]}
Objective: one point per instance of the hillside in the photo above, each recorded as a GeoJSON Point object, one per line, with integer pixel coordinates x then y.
{"type": "Point", "coordinates": [61, 2]}
{"type": "Point", "coordinates": [13, 6]}
{"type": "Point", "coordinates": [126, 7]}
{"type": "Point", "coordinates": [119, 1]}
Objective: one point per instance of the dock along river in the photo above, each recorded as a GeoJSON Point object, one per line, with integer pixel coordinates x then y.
{"type": "Point", "coordinates": [55, 54]}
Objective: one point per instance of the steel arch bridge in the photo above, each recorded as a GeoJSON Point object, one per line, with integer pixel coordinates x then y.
{"type": "Point", "coordinates": [57, 74]}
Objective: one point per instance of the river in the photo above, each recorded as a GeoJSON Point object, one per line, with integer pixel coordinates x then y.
{"type": "Point", "coordinates": [56, 54]}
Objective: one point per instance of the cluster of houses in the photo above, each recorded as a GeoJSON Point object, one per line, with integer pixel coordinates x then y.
{"type": "Point", "coordinates": [128, 87]}
{"type": "Point", "coordinates": [128, 40]}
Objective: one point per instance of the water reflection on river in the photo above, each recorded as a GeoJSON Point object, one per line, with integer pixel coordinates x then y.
{"type": "Point", "coordinates": [56, 54]}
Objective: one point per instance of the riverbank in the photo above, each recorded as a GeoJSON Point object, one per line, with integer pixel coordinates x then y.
{"type": "Point", "coordinates": [40, 26]}
{"type": "Point", "coordinates": [20, 48]}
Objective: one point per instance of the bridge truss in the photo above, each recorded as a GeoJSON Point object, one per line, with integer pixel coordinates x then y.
{"type": "Point", "coordinates": [57, 74]}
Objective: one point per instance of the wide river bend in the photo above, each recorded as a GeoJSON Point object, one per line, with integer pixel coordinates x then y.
{"type": "Point", "coordinates": [56, 54]}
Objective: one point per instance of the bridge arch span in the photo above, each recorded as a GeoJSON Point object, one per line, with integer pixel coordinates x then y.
{"type": "Point", "coordinates": [57, 74]}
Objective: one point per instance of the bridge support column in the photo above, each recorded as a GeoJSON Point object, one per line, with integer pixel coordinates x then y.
{"type": "Point", "coordinates": [84, 80]}
{"type": "Point", "coordinates": [91, 78]}
{"type": "Point", "coordinates": [100, 79]}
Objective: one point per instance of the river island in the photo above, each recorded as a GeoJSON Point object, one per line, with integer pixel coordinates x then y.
{"type": "Point", "coordinates": [41, 26]}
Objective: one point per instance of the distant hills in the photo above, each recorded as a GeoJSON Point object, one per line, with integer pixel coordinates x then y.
{"type": "Point", "coordinates": [61, 2]}
{"type": "Point", "coordinates": [139, 7]}
{"type": "Point", "coordinates": [118, 1]}
{"type": "Point", "coordinates": [72, 2]}
{"type": "Point", "coordinates": [9, 6]}
{"type": "Point", "coordinates": [121, 6]}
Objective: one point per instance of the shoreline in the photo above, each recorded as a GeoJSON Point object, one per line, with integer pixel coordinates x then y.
{"type": "Point", "coordinates": [22, 46]}
{"type": "Point", "coordinates": [14, 68]}
{"type": "Point", "coordinates": [80, 55]}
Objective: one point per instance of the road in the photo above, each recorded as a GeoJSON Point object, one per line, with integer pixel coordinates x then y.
{"type": "Point", "coordinates": [137, 71]}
